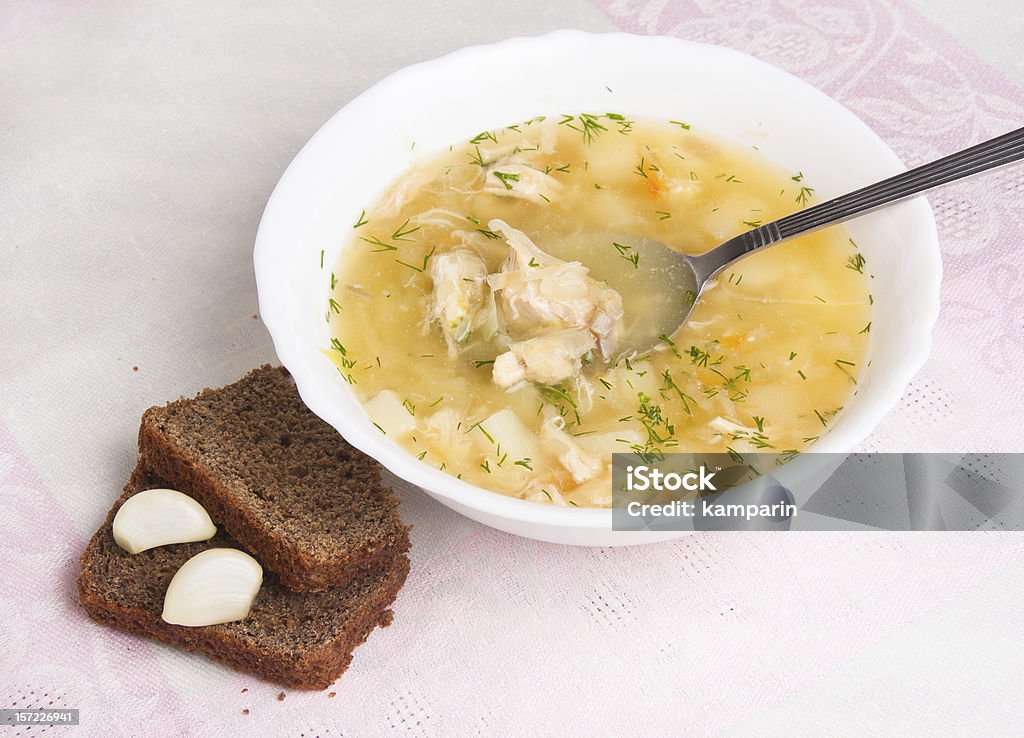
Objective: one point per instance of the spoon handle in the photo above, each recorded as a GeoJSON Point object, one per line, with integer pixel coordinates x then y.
{"type": "Point", "coordinates": [990, 154]}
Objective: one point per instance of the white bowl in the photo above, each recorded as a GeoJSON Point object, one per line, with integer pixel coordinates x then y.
{"type": "Point", "coordinates": [426, 107]}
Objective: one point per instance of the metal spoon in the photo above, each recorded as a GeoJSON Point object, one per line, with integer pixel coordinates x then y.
{"type": "Point", "coordinates": [692, 273]}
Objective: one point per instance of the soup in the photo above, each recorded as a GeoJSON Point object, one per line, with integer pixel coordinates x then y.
{"type": "Point", "coordinates": [496, 310]}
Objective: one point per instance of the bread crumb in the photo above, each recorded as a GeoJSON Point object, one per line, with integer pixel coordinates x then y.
{"type": "Point", "coordinates": [244, 690]}
{"type": "Point", "coordinates": [280, 696]}
{"type": "Point", "coordinates": [135, 368]}
{"type": "Point", "coordinates": [245, 711]}
{"type": "Point", "coordinates": [332, 694]}
{"type": "Point", "coordinates": [255, 317]}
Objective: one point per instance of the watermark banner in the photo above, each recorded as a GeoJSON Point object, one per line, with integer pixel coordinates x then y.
{"type": "Point", "coordinates": [813, 491]}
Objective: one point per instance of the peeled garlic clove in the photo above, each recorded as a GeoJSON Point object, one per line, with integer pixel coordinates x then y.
{"type": "Point", "coordinates": [157, 517]}
{"type": "Point", "coordinates": [215, 586]}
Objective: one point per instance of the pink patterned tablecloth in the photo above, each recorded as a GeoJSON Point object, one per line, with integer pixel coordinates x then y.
{"type": "Point", "coordinates": [138, 143]}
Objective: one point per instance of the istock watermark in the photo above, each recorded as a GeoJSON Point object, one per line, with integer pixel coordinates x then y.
{"type": "Point", "coordinates": [759, 491]}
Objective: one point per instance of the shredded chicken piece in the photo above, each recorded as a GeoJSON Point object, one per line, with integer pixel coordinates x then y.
{"type": "Point", "coordinates": [540, 293]}
{"type": "Point", "coordinates": [548, 359]}
{"type": "Point", "coordinates": [522, 182]}
{"type": "Point", "coordinates": [458, 296]}
{"type": "Point", "coordinates": [445, 426]}
{"type": "Point", "coordinates": [552, 312]}
{"type": "Point", "coordinates": [582, 465]}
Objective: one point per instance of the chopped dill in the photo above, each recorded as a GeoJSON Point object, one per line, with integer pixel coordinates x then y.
{"type": "Point", "coordinates": [559, 398]}
{"type": "Point", "coordinates": [362, 220]}
{"type": "Point", "coordinates": [483, 136]}
{"type": "Point", "coordinates": [698, 356]}
{"type": "Point", "coordinates": [423, 266]}
{"type": "Point", "coordinates": [670, 384]}
{"type": "Point", "coordinates": [586, 124]}
{"type": "Point", "coordinates": [381, 246]}
{"type": "Point", "coordinates": [660, 432]}
{"type": "Point", "coordinates": [402, 231]}
{"type": "Point", "coordinates": [505, 178]}
{"type": "Point", "coordinates": [841, 365]}
{"type": "Point", "coordinates": [628, 253]}
{"type": "Point", "coordinates": [480, 428]}
{"type": "Point", "coordinates": [671, 344]}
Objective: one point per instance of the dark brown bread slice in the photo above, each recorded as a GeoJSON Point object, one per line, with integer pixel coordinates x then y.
{"type": "Point", "coordinates": [298, 639]}
{"type": "Point", "coordinates": [283, 482]}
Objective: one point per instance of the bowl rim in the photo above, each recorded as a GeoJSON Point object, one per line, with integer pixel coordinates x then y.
{"type": "Point", "coordinates": [461, 493]}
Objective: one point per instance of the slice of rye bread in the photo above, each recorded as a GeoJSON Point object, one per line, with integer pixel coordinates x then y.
{"type": "Point", "coordinates": [283, 482]}
{"type": "Point", "coordinates": [298, 639]}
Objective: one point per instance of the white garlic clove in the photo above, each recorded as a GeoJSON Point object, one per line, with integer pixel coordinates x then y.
{"type": "Point", "coordinates": [158, 517]}
{"type": "Point", "coordinates": [215, 586]}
